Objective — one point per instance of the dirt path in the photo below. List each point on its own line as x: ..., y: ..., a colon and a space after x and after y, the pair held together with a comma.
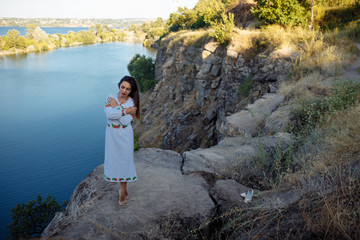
x: 352, y: 72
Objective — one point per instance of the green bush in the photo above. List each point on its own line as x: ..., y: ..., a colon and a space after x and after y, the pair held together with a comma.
x: 44, y: 46
x: 223, y: 29
x: 283, y: 12
x: 244, y: 89
x: 143, y: 70
x: 30, y: 220
x: 353, y: 30
x: 309, y: 113
x: 338, y: 17
x: 335, y: 3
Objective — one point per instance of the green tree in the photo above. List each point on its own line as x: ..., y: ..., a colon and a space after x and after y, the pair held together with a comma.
x: 205, y: 12
x: 209, y: 11
x: 30, y: 220
x: 143, y: 70
x: 184, y: 18
x: 134, y: 27
x: 13, y: 38
x: 23, y: 42
x: 2, y: 43
x: 30, y: 28
x: 158, y: 23
x: 283, y: 12
x: 86, y: 37
x: 99, y: 29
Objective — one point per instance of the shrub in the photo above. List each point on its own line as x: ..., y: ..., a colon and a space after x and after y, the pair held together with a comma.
x: 283, y: 12
x: 310, y: 112
x: 30, y: 220
x: 353, y: 30
x: 338, y: 17
x: 44, y: 46
x: 244, y: 89
x: 223, y: 28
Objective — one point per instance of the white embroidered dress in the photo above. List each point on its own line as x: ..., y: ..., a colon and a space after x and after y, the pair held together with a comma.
x: 119, y: 143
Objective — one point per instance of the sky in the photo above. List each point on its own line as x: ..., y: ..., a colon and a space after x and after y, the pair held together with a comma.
x: 91, y: 8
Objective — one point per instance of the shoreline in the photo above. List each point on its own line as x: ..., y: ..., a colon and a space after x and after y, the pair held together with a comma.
x: 130, y: 37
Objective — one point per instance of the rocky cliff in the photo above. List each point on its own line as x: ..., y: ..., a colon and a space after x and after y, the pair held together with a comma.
x: 200, y: 84
x: 180, y: 196
x: 198, y: 102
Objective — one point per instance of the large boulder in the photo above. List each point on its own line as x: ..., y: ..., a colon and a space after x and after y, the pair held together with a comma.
x: 163, y: 203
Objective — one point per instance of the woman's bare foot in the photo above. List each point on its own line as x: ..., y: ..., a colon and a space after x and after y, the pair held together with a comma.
x: 126, y: 194
x: 122, y: 198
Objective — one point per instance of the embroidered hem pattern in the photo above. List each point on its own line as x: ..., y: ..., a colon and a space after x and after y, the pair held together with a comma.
x: 116, y: 126
x: 128, y: 179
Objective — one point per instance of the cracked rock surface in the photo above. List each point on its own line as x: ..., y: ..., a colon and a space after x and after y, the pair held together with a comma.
x: 163, y: 203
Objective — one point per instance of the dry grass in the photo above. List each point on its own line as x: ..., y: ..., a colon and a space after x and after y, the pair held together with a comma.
x: 188, y: 38
x: 309, y: 50
x: 324, y: 53
x: 330, y: 204
x: 334, y: 213
x: 307, y: 87
x: 331, y: 146
x: 153, y: 136
x: 342, y: 135
x: 245, y: 42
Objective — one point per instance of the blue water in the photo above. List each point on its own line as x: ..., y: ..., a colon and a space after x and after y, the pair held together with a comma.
x: 48, y: 30
x: 52, y: 122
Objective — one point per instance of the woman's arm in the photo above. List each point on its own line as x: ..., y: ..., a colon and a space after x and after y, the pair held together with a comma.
x: 115, y: 112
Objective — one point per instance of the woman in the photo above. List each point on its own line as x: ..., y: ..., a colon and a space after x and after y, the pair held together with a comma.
x: 119, y: 138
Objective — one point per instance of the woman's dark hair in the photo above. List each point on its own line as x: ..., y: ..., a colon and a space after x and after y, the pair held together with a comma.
x: 134, y: 94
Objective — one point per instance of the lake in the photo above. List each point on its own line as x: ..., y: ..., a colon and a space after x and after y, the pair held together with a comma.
x: 52, y: 122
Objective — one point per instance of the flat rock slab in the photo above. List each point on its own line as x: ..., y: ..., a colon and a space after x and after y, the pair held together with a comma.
x: 224, y: 159
x: 247, y: 122
x: 218, y: 160
x: 163, y: 203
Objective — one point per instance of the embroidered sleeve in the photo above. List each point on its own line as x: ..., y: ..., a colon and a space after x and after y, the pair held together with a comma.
x: 126, y: 118
x: 110, y: 112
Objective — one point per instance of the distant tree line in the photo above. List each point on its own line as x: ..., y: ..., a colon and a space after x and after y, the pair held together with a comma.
x: 37, y: 40
x: 73, y: 22
x: 153, y: 31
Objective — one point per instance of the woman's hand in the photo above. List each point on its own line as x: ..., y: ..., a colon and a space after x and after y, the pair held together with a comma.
x: 131, y: 110
x: 112, y: 102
